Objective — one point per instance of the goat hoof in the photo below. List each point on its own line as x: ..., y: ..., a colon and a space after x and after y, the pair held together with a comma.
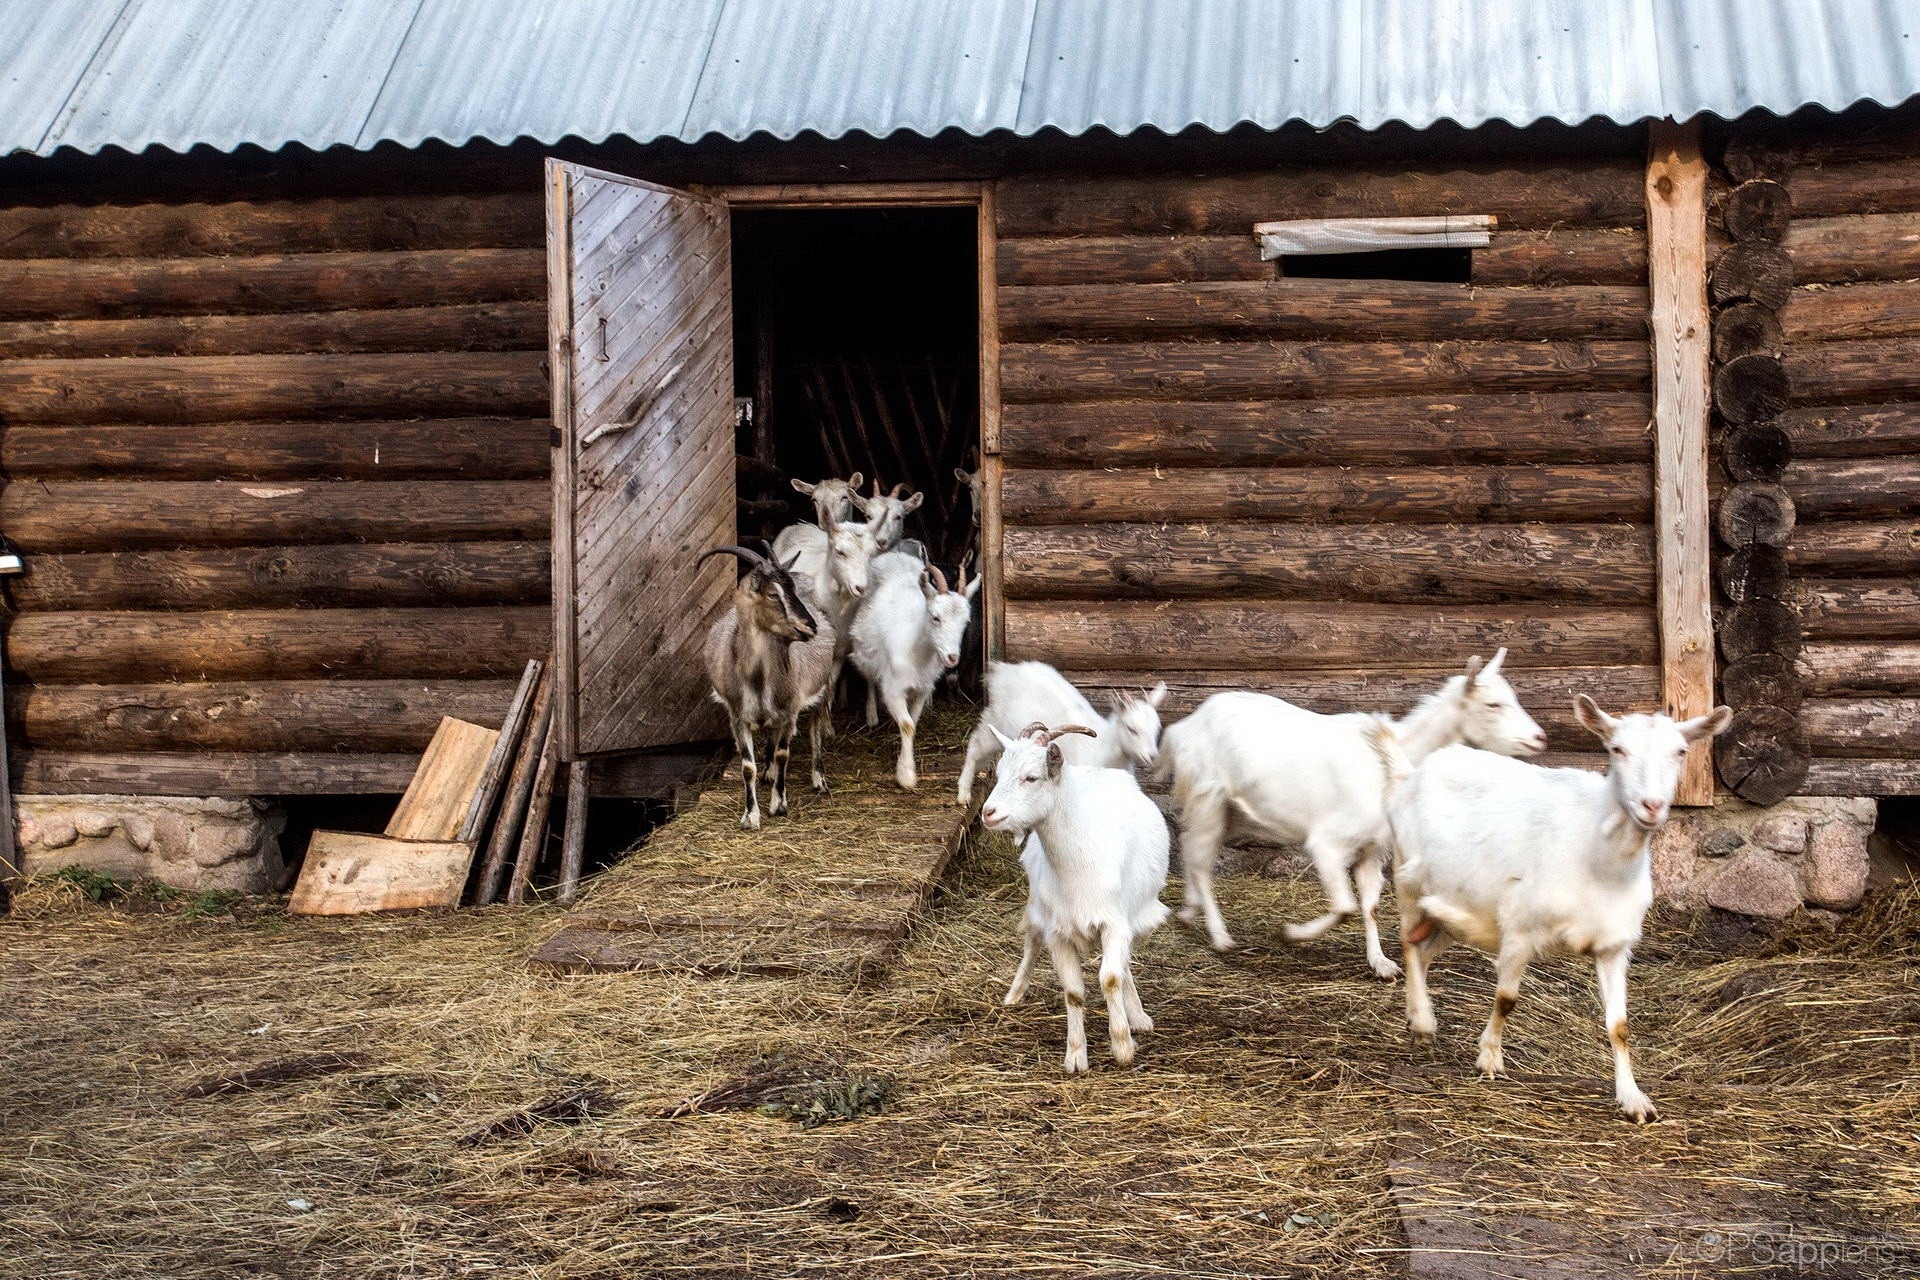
x: 1639, y: 1108
x: 1143, y: 1023
x: 749, y: 822
x: 1123, y: 1054
x: 1075, y: 1063
x: 1490, y: 1065
x: 777, y: 809
x: 1422, y: 1038
x: 820, y: 787
x: 1223, y: 946
x: 1386, y: 969
x: 908, y: 781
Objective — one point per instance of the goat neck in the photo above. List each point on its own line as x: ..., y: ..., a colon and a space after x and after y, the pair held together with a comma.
x: 1434, y: 723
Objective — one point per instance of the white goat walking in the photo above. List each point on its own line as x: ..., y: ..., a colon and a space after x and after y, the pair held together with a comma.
x: 1298, y: 776
x: 1519, y: 861
x: 1020, y: 693
x: 1095, y: 853
x: 907, y: 630
x: 833, y: 562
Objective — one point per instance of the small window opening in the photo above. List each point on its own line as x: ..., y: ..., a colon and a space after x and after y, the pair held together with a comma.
x: 1448, y: 266
x: 1437, y: 248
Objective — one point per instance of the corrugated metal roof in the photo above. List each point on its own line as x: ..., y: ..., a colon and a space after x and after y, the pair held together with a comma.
x: 176, y: 73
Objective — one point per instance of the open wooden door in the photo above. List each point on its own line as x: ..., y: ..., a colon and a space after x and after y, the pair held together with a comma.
x: 639, y: 284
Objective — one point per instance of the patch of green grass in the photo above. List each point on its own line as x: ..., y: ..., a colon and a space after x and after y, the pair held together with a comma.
x: 210, y: 902
x: 95, y: 884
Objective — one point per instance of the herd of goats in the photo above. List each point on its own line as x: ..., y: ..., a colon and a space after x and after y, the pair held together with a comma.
x: 1509, y: 857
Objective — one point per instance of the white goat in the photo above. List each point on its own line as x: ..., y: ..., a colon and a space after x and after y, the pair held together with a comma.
x: 834, y: 564
x: 1020, y: 693
x: 887, y: 512
x: 1298, y: 776
x: 768, y: 659
x: 906, y: 631
x: 1520, y: 861
x: 1095, y: 853
x: 832, y: 499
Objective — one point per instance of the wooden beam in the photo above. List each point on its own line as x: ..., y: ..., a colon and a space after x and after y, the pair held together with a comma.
x: 1677, y: 271
x: 993, y: 607
x: 844, y: 195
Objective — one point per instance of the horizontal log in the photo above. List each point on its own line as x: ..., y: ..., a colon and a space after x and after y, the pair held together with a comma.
x: 1884, y: 184
x: 224, y: 388
x: 1516, y: 427
x: 1305, y: 309
x: 1597, y: 564
x: 1596, y: 193
x: 1562, y: 256
x: 1870, y: 728
x: 1830, y: 670
x: 1854, y: 369
x: 359, y: 575
x: 1881, y: 309
x: 1546, y: 692
x: 482, y: 326
x: 1865, y: 609
x: 272, y: 226
x: 114, y: 515
x: 360, y: 716
x: 1343, y: 494
x: 73, y: 288
x: 1849, y: 777
x: 1852, y: 431
x: 1858, y: 547
x: 1830, y: 488
x: 1226, y: 635
x: 278, y: 644
x: 212, y: 773
x: 1855, y: 247
x: 1056, y: 371
x: 429, y: 448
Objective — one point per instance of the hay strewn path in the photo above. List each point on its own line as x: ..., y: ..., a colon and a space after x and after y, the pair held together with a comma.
x: 1277, y: 1123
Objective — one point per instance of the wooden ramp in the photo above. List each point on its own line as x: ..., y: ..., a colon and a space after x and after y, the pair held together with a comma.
x: 830, y: 889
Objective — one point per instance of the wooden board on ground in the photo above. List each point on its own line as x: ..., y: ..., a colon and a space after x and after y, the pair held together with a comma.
x: 436, y: 803
x: 347, y: 873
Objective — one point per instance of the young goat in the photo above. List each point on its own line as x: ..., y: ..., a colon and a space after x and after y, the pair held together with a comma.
x: 834, y: 563
x: 832, y: 499
x: 1019, y: 693
x: 1095, y: 853
x: 768, y: 659
x: 907, y: 630
x: 1298, y: 776
x: 887, y: 512
x: 1519, y: 861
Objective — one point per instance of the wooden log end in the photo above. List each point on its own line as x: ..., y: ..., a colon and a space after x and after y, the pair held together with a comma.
x: 1755, y: 513
x: 1759, y: 627
x: 1757, y: 452
x: 1763, y: 755
x: 1751, y: 388
x: 1752, y: 573
x: 1757, y: 209
x: 1746, y: 329
x: 1751, y: 271
x: 1764, y: 679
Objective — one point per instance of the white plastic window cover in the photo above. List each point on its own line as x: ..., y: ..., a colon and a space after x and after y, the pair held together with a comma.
x: 1362, y: 235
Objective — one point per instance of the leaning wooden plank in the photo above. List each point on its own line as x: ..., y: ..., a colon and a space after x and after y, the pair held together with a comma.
x: 507, y: 828
x: 348, y: 873
x: 487, y: 794
x: 573, y: 853
x: 445, y: 785
x: 533, y: 834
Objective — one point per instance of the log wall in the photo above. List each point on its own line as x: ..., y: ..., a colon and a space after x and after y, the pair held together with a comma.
x: 1334, y: 490
x: 280, y: 471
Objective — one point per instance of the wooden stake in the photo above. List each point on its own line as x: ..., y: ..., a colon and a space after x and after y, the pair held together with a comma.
x: 573, y: 853
x: 533, y: 835
x: 507, y: 828
x: 495, y: 776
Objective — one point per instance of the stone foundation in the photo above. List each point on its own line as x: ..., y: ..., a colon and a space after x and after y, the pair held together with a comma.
x: 187, y: 843
x: 1808, y: 850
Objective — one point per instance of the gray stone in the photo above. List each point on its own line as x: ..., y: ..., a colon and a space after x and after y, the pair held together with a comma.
x: 189, y: 843
x: 1721, y: 842
x: 1782, y: 833
x: 1836, y: 870
x: 1755, y: 884
x: 1675, y: 854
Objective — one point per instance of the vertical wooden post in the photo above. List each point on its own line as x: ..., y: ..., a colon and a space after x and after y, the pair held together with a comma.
x: 993, y: 603
x: 560, y: 384
x: 1677, y: 272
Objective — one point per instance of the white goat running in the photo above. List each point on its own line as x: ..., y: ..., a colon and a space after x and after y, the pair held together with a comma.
x: 906, y: 631
x: 1298, y: 776
x: 1020, y: 693
x: 1519, y: 861
x: 832, y: 499
x: 1095, y: 854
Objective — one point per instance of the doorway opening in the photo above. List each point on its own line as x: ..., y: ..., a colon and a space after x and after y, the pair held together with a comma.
x: 857, y: 349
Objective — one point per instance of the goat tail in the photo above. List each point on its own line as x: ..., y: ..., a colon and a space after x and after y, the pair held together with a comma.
x: 1394, y: 764
x: 1461, y: 924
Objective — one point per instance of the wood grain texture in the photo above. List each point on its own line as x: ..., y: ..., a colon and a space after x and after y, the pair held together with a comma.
x: 1676, y: 180
x: 1853, y: 431
x: 1855, y: 487
x: 347, y: 873
x: 1859, y: 609
x: 493, y: 775
x: 1857, y: 369
x: 1866, y: 548
x: 1841, y: 776
x: 213, y: 773
x: 1880, y: 309
x: 436, y: 802
x: 1882, y: 246
x: 1870, y: 728
x: 1834, y: 670
x: 494, y: 326
x: 993, y: 604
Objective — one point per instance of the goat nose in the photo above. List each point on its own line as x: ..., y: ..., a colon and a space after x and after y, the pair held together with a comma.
x: 1653, y: 810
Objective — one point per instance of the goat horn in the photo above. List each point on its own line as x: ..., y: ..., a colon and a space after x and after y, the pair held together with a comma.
x: 939, y: 578
x: 876, y: 486
x: 750, y: 556
x: 898, y: 489
x: 1037, y: 729
x: 1066, y: 729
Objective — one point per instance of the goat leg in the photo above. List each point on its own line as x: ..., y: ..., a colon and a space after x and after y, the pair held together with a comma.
x: 749, y: 775
x: 1370, y: 877
x: 1073, y: 985
x: 1116, y: 967
x: 782, y: 752
x: 1611, y: 971
x: 822, y: 729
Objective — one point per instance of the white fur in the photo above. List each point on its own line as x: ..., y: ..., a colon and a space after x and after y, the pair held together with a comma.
x: 907, y: 631
x: 1521, y: 861
x: 832, y: 499
x: 887, y: 513
x: 1096, y: 860
x: 1019, y: 693
x: 833, y: 563
x: 1301, y: 777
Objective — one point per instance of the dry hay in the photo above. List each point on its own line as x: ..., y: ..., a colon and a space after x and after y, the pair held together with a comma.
x: 1255, y: 1136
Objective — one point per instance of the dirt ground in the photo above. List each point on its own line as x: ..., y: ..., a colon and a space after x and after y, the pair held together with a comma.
x: 1277, y: 1121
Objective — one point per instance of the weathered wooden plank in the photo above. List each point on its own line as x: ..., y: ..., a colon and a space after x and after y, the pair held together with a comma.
x: 1854, y: 369
x: 1882, y: 309
x: 1836, y: 776
x: 1676, y: 186
x: 1064, y: 371
x: 1114, y: 635
x: 426, y: 449
x: 224, y: 388
x: 1850, y: 487
x: 1422, y: 494
x: 1513, y: 427
x: 1869, y: 728
x: 212, y: 773
x: 1852, y: 431
x: 991, y: 466
x: 1884, y: 184
x: 362, y: 575
x: 122, y: 515
x: 1596, y: 193
x: 487, y: 326
x: 1834, y: 670
x: 1860, y: 609
x: 444, y: 787
x: 423, y: 644
x: 1307, y: 309
x: 77, y: 288
x: 1882, y: 246
x: 1865, y: 547
x: 1598, y: 564
x: 363, y: 224
x: 350, y: 873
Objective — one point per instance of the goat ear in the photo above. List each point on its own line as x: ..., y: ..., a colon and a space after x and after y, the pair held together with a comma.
x: 1157, y: 695
x: 1707, y: 725
x: 1005, y: 741
x: 913, y: 503
x: 1475, y: 665
x: 1499, y: 657
x: 973, y: 589
x: 963, y: 475
x: 853, y: 481
x: 1592, y: 718
x: 804, y: 487
x: 1054, y: 760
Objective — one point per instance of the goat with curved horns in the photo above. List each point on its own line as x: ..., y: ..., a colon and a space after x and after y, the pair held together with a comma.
x: 768, y: 659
